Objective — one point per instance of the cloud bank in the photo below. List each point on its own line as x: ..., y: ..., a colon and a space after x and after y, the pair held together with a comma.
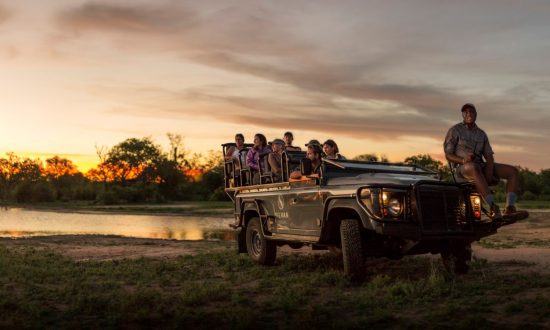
x: 373, y: 70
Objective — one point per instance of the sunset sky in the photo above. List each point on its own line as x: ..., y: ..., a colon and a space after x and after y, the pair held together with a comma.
x: 385, y: 77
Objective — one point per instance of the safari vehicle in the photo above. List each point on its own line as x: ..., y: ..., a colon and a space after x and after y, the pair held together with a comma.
x: 360, y: 209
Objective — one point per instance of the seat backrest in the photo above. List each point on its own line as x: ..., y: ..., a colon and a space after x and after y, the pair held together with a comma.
x: 294, y: 159
x: 242, y: 157
x: 263, y: 164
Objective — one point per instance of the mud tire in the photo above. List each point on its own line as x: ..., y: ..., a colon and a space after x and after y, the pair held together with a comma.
x: 262, y: 251
x: 352, y: 250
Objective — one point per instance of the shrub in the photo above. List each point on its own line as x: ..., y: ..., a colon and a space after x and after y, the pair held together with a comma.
x: 219, y: 195
x: 108, y: 197
x: 528, y: 196
x: 34, y: 192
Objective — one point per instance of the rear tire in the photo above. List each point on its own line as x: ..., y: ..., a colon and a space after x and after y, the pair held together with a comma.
x: 456, y: 259
x: 262, y: 251
x: 352, y: 250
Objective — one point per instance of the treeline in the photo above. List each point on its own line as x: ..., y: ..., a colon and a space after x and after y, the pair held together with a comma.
x: 139, y: 171
x: 133, y: 171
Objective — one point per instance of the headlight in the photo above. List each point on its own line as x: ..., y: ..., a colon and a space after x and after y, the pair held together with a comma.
x: 394, y: 207
x: 392, y: 203
x: 381, y: 203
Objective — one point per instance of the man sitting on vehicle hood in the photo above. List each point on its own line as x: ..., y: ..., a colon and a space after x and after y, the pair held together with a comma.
x: 467, y: 146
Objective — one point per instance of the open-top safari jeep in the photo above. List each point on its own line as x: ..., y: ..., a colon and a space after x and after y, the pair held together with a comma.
x: 363, y: 209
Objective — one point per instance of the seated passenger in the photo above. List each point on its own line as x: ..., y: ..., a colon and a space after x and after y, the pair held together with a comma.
x: 331, y: 150
x: 253, y: 157
x: 289, y: 137
x: 314, y: 152
x: 238, y: 151
x: 313, y: 142
x: 317, y: 143
x: 274, y: 159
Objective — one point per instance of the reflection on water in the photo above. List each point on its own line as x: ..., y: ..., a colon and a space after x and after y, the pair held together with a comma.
x: 17, y: 223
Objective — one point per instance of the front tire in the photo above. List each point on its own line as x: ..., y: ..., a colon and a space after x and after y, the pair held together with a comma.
x: 352, y: 250
x: 262, y: 251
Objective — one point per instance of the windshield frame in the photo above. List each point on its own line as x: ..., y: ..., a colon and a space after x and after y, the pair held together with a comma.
x: 376, y: 167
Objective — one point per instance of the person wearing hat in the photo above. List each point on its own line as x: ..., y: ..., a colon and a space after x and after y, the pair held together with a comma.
x: 467, y: 147
x: 311, y: 142
x: 275, y: 157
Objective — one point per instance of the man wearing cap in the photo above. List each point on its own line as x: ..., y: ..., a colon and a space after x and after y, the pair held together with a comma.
x: 468, y: 148
x: 274, y: 158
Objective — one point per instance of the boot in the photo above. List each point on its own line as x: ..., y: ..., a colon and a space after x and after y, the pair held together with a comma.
x: 494, y: 212
x: 512, y: 213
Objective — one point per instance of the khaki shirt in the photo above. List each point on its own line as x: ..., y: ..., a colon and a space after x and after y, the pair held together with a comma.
x: 462, y: 141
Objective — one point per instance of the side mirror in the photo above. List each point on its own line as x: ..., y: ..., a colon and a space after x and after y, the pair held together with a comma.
x: 305, y: 166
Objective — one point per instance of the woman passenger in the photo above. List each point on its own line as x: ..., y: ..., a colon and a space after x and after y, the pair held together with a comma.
x: 253, y: 157
x: 331, y: 150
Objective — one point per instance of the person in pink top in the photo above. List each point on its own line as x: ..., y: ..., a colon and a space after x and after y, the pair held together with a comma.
x: 253, y: 157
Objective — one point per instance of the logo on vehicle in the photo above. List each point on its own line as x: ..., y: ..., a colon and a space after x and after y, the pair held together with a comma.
x: 280, y: 202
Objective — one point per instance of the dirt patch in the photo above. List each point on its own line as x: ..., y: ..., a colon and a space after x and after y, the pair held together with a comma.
x: 538, y: 256
x: 97, y: 247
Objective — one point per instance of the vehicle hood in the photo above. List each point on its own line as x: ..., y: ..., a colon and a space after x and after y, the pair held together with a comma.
x: 379, y: 178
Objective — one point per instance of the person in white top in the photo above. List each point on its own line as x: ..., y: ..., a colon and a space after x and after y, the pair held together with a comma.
x: 237, y: 151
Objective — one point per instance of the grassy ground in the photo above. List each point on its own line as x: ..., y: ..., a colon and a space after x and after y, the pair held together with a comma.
x: 180, y: 208
x: 219, y: 288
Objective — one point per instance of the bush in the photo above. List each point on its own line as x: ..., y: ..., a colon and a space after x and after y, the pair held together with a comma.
x: 34, y: 192
x: 528, y: 196
x: 88, y: 192
x: 219, y: 195
x: 137, y: 193
x: 108, y: 198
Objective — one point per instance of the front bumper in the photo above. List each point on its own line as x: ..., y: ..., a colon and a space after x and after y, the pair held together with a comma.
x: 433, y: 210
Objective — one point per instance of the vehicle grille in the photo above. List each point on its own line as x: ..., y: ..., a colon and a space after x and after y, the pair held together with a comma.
x: 442, y: 208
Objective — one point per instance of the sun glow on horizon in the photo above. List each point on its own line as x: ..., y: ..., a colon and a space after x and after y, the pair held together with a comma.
x: 74, y: 75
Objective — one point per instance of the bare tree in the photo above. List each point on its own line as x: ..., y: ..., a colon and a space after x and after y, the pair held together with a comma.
x: 177, y: 149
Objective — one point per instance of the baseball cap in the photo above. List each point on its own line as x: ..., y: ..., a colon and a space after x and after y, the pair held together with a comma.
x: 468, y: 105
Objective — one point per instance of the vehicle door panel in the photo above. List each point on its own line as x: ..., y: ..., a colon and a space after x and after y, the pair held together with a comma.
x: 305, y: 210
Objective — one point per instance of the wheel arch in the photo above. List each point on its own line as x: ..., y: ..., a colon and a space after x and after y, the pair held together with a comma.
x: 330, y: 232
